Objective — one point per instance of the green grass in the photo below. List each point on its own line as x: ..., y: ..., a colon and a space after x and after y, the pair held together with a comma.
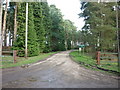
x: 8, y: 61
x: 82, y: 58
x: 88, y: 60
x: 111, y: 65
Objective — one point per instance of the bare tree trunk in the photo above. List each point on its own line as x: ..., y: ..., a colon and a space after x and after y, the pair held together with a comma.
x: 0, y: 29
x: 15, y: 23
x: 9, y: 38
x: 4, y: 20
x: 15, y: 29
x: 72, y: 42
x: 66, y: 38
x: 26, y: 33
x: 66, y: 45
x: 0, y: 42
x: 5, y: 38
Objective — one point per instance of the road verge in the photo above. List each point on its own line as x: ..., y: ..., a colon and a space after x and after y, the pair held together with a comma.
x: 91, y: 65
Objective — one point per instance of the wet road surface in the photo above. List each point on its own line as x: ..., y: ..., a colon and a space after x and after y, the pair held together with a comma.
x: 58, y: 71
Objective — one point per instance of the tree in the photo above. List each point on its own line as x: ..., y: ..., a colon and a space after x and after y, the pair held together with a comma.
x: 57, y: 30
x: 0, y: 28
x: 70, y: 34
x: 47, y: 25
x: 19, y: 44
x: 33, y: 47
x: 46, y: 28
x: 15, y: 21
x: 4, y: 20
x: 38, y: 24
x: 99, y: 24
x: 10, y: 23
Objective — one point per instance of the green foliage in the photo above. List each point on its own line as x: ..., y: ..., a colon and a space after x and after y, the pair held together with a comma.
x: 46, y: 29
x: 10, y: 19
x: 57, y: 35
x: 47, y: 25
x: 38, y: 24
x: 100, y: 25
x: 33, y: 48
x: 70, y: 34
x: 19, y: 44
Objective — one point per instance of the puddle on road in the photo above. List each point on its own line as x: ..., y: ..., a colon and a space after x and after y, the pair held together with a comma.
x: 32, y: 79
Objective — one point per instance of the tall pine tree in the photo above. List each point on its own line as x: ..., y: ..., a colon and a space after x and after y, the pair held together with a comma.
x: 38, y: 25
x: 33, y: 47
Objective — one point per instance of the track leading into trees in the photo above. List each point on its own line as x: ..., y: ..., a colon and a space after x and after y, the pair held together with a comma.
x: 58, y: 71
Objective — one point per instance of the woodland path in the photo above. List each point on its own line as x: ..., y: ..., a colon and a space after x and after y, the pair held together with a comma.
x: 58, y: 71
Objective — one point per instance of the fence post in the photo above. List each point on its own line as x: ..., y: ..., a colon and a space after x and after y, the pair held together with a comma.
x: 98, y: 57
x: 14, y: 55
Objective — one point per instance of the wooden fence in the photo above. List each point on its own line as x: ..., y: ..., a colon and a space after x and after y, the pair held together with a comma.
x: 105, y: 55
x: 10, y: 53
x: 7, y: 51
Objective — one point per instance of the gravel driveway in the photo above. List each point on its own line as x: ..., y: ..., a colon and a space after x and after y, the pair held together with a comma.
x: 58, y: 71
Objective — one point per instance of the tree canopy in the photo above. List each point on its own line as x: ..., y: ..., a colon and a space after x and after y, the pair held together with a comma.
x: 100, y: 25
x: 47, y: 29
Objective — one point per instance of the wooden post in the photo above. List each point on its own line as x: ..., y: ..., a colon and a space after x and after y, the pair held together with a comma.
x: 26, y: 30
x: 98, y: 57
x: 15, y: 55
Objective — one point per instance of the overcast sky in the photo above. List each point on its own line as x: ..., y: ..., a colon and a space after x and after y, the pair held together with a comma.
x: 70, y: 9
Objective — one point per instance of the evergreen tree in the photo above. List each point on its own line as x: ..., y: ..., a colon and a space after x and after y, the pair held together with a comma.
x: 19, y: 44
x: 38, y: 25
x: 33, y: 48
x: 47, y: 25
x: 32, y: 38
x: 10, y: 22
x: 57, y: 30
x: 70, y: 34
x: 99, y: 25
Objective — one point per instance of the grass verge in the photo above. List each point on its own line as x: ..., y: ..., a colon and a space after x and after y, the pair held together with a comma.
x: 88, y: 62
x: 8, y: 61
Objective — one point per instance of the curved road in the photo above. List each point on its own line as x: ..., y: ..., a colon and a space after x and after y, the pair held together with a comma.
x: 58, y: 71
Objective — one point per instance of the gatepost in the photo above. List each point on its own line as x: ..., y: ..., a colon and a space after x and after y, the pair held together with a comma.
x: 15, y: 55
x: 98, y: 57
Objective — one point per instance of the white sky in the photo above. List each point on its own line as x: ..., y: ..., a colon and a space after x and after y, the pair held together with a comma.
x: 70, y: 9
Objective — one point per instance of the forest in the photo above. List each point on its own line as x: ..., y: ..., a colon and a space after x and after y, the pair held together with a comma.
x: 48, y: 31
x: 101, y: 26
